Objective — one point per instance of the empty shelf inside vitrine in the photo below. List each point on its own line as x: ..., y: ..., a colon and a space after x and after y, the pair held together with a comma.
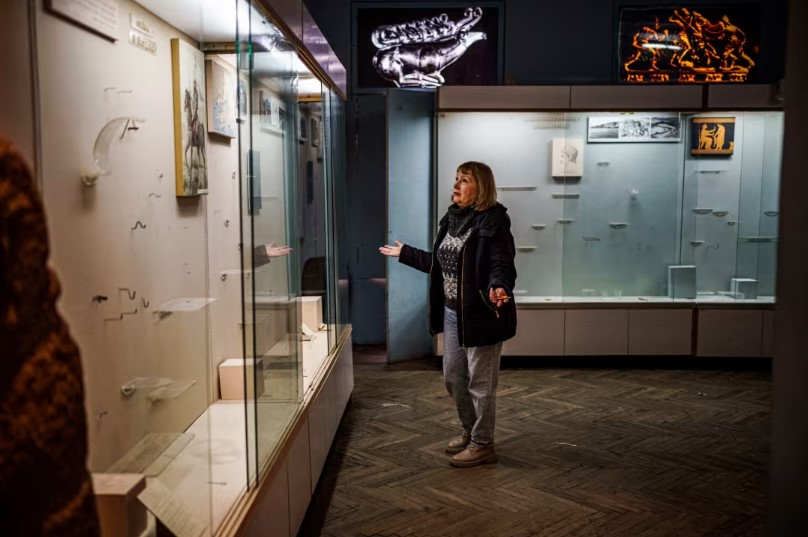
x: 758, y: 239
x: 538, y: 226
x: 565, y: 220
x: 566, y: 196
x: 151, y: 454
x: 702, y: 210
x: 183, y: 305
x: 525, y: 248
x: 618, y: 225
x: 516, y: 187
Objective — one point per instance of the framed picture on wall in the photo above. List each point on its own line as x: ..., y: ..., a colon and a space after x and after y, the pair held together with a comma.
x: 302, y: 129
x: 272, y: 112
x: 712, y: 136
x: 315, y: 132
x: 635, y: 128
x: 222, y: 90
x: 568, y: 157
x: 243, y: 88
x: 427, y: 45
x: 190, y: 133
x: 264, y: 109
x: 694, y: 44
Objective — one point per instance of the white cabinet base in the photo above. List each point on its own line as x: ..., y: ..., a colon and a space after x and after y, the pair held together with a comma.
x: 666, y: 332
x: 767, y: 349
x: 596, y: 332
x: 538, y: 333
x: 731, y: 333
x: 642, y: 331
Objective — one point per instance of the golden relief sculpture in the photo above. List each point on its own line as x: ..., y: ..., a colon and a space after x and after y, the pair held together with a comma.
x: 688, y: 47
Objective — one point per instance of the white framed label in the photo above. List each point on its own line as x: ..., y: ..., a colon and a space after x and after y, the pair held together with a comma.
x: 171, y: 511
x: 141, y: 25
x: 143, y: 42
x: 100, y: 16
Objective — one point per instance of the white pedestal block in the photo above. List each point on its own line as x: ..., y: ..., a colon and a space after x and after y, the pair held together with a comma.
x: 311, y: 311
x: 119, y: 511
x: 231, y: 377
x: 682, y: 281
x: 743, y: 288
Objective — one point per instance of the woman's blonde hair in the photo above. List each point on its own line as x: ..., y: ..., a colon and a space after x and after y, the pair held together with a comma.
x: 486, y: 187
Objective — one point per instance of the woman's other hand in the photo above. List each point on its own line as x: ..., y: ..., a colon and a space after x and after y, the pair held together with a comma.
x: 277, y: 251
x: 498, y: 296
x: 391, y: 251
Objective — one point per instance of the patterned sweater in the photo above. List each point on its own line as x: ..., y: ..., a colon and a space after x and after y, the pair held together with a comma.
x: 45, y: 488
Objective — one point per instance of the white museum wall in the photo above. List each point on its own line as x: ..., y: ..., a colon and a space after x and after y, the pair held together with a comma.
x: 96, y: 251
x: 16, y: 99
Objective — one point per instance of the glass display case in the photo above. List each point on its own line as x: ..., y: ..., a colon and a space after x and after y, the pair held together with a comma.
x: 179, y: 158
x: 629, y: 207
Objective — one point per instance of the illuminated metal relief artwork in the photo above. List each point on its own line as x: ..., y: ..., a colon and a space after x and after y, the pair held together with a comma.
x: 413, y: 54
x: 683, y: 46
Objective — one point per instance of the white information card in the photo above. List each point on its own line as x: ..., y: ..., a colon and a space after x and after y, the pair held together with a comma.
x: 100, y: 16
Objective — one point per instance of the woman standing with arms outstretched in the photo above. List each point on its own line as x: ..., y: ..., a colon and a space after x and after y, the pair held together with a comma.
x: 472, y: 276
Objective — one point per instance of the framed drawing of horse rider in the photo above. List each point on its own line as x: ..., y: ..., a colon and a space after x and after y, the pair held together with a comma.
x: 190, y: 132
x: 427, y: 45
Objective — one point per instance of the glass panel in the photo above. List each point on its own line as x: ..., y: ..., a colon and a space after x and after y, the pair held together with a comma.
x: 664, y: 208
x: 330, y: 316
x: 711, y: 209
x: 313, y: 211
x: 757, y: 224
x: 249, y: 167
x: 517, y: 147
x: 336, y: 127
x: 269, y: 194
x: 770, y: 205
x: 621, y: 212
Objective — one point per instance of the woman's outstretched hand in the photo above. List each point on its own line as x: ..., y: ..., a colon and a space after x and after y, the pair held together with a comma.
x: 392, y: 251
x: 277, y: 251
x: 498, y: 296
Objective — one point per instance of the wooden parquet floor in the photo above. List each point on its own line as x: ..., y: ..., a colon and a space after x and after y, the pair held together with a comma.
x: 590, y: 450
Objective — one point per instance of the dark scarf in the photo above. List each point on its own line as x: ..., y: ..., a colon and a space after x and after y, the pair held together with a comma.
x: 460, y: 218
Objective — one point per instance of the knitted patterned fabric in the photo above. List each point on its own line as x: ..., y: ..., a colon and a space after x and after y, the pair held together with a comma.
x: 45, y: 488
x: 460, y: 221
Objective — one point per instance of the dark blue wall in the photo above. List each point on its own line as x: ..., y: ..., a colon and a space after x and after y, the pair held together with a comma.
x: 565, y: 42
x: 559, y: 42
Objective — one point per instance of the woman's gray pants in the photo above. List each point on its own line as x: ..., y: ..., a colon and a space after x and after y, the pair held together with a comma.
x: 471, y: 375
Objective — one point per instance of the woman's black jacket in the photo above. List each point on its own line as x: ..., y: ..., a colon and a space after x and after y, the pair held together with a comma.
x: 486, y: 261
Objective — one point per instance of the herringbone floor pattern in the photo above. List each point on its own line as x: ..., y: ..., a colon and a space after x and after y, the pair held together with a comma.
x: 590, y: 451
